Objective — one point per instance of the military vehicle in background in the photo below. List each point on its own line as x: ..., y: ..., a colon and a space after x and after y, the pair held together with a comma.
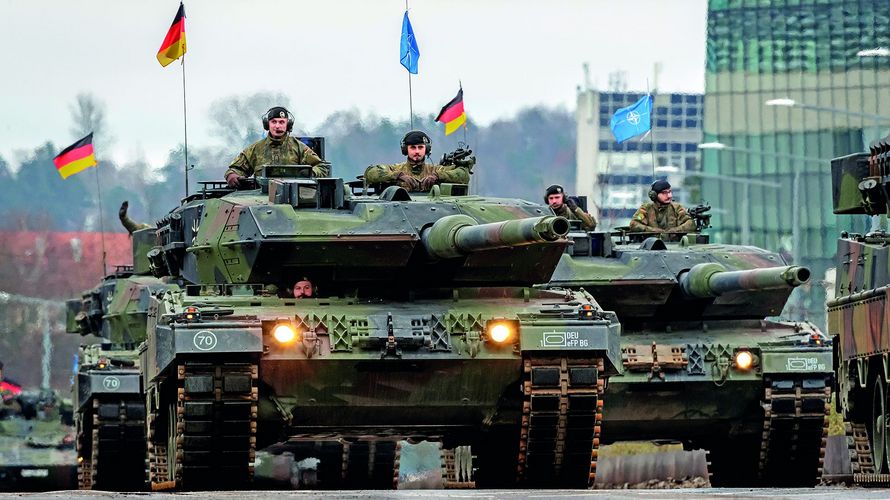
x: 423, y: 329
x: 857, y: 315
x: 36, y: 443
x: 108, y: 399
x: 703, y: 364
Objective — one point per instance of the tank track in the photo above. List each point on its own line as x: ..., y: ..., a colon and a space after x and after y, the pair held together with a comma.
x: 562, y: 414
x: 111, y: 445
x: 862, y: 463
x: 795, y: 431
x: 211, y: 429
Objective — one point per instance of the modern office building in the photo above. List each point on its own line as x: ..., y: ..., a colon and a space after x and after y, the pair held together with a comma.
x: 616, y: 177
x: 825, y: 101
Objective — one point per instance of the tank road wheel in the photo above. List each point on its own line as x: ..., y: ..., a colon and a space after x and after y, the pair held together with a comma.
x: 879, y: 424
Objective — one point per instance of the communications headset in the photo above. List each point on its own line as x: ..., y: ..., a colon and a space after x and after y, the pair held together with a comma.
x: 290, y: 118
x: 426, y: 140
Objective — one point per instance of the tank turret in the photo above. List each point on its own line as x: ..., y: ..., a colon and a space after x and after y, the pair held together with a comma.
x: 712, y: 279
x: 458, y: 235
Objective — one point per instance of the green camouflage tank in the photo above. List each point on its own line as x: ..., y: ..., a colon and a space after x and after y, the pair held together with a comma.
x: 703, y: 362
x: 108, y: 397
x: 36, y: 443
x: 424, y: 355
x: 858, y: 313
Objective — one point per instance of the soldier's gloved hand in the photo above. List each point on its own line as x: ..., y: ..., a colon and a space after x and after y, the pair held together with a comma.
x: 428, y: 182
x: 571, y: 203
x: 413, y: 184
x: 234, y: 180
x: 123, y: 210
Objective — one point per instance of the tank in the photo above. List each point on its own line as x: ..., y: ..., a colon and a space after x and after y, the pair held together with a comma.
x: 424, y: 357
x: 36, y: 443
x: 857, y: 314
x: 705, y: 361
x: 108, y: 399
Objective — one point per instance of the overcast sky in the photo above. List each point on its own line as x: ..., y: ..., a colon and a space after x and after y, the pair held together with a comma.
x: 326, y: 56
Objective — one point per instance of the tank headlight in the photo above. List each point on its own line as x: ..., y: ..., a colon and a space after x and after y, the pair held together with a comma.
x: 284, y: 333
x: 744, y: 360
x: 502, y: 331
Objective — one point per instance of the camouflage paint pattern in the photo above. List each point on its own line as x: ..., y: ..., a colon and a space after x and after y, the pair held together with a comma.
x: 685, y: 310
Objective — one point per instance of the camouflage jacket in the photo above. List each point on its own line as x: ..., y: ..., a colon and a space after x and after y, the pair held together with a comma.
x: 588, y: 222
x: 655, y: 217
x: 387, y: 174
x: 268, y: 151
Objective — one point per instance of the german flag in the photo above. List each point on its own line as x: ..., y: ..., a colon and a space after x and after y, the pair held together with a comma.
x: 452, y: 114
x: 173, y: 46
x: 76, y: 157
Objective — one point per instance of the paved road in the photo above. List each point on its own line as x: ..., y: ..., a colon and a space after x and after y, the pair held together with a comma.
x: 799, y: 493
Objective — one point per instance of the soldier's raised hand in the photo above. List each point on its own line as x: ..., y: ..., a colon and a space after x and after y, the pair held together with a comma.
x: 571, y: 203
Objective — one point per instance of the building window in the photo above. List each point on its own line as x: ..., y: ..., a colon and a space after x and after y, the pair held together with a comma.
x: 661, y: 123
x: 691, y: 123
x: 676, y: 123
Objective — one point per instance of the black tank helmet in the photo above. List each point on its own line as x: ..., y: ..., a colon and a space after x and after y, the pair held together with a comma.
x: 415, y: 137
x: 554, y: 189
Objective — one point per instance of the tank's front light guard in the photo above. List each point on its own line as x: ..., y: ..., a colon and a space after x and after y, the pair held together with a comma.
x: 502, y: 331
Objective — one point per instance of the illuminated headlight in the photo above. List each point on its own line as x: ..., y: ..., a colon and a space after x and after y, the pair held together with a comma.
x: 501, y: 332
x: 284, y: 333
x: 191, y: 313
x: 744, y: 360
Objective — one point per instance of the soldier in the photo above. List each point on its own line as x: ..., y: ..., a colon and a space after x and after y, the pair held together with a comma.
x: 129, y: 224
x: 303, y: 289
x: 415, y: 174
x: 565, y: 206
x: 277, y: 148
x: 661, y: 214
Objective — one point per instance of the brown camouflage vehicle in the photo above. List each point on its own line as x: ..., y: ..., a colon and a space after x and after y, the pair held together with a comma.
x: 423, y: 329
x: 704, y: 361
x: 857, y: 315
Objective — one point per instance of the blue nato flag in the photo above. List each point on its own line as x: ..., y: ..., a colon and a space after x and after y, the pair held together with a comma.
x: 633, y: 120
x: 408, y: 51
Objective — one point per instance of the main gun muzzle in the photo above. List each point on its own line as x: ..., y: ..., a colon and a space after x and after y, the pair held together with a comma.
x: 458, y: 235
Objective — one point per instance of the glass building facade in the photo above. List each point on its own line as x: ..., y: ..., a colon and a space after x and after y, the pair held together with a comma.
x: 618, y: 176
x: 803, y: 51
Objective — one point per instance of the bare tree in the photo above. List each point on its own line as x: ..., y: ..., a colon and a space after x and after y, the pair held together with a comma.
x: 237, y: 119
x: 88, y: 115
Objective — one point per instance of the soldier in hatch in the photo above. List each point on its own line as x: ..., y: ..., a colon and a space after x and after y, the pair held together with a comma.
x: 277, y: 148
x: 661, y: 214
x: 415, y: 174
x: 565, y: 206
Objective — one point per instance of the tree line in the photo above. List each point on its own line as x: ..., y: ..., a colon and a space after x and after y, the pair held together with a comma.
x: 516, y: 157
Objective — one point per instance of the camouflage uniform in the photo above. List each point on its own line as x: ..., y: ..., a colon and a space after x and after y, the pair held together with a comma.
x: 268, y: 151
x: 387, y: 174
x: 655, y: 217
x: 588, y: 222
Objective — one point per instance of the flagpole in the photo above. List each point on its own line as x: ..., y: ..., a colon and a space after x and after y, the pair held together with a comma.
x: 185, y: 131
x: 101, y: 225
x: 651, y: 129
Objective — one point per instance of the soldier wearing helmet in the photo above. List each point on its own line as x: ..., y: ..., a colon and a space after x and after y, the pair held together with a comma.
x: 564, y: 205
x: 277, y: 148
x: 661, y: 214
x: 415, y: 174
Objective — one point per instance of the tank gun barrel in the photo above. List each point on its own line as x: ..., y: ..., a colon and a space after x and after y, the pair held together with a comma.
x: 711, y: 279
x: 457, y: 235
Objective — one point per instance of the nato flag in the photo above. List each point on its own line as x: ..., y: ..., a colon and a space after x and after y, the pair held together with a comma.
x: 408, y: 51
x: 633, y: 120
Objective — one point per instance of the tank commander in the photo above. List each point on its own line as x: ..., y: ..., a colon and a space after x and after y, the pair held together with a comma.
x: 415, y: 174
x: 277, y: 148
x: 565, y: 206
x: 303, y: 289
x: 129, y: 224
x: 661, y: 214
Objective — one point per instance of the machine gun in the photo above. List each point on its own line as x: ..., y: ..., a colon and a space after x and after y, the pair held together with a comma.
x: 700, y: 216
x: 461, y: 157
